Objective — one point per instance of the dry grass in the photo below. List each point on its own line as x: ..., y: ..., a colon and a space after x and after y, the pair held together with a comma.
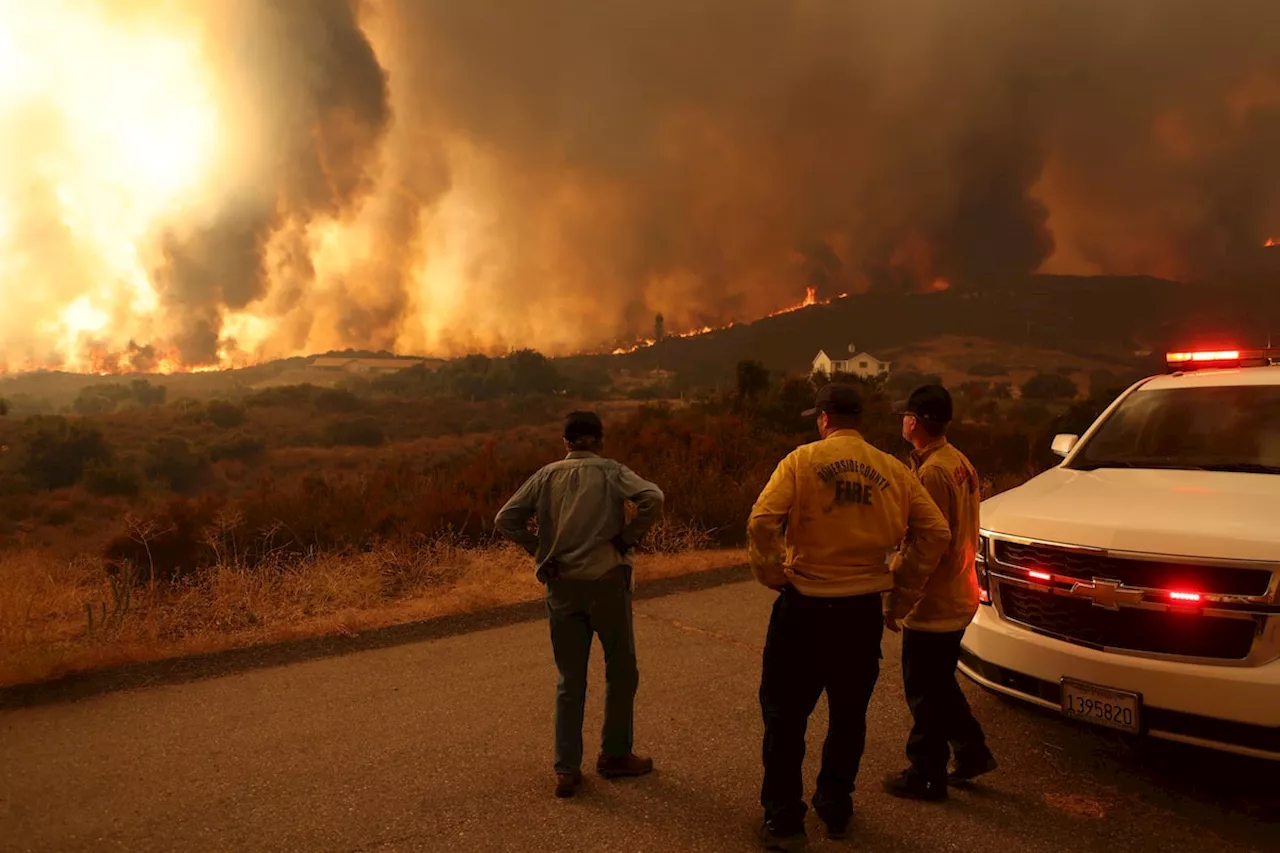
x: 46, y: 630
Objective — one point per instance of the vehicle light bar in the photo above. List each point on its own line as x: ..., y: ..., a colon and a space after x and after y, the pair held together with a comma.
x: 1203, y: 359
x: 1192, y: 597
x: 1211, y: 355
x: 1040, y: 576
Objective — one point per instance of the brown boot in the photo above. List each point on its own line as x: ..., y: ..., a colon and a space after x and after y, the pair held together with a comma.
x: 567, y: 784
x: 626, y: 765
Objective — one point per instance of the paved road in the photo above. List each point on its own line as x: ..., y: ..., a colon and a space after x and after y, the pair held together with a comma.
x: 444, y: 746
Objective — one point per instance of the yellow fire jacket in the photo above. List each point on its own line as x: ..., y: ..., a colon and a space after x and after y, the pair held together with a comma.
x: 950, y: 597
x: 831, y: 515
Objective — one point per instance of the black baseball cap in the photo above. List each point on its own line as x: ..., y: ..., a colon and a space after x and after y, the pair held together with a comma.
x: 582, y: 425
x: 836, y: 399
x: 928, y: 403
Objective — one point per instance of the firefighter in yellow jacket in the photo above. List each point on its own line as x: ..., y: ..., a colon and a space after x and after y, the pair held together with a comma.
x: 935, y: 621
x: 821, y: 533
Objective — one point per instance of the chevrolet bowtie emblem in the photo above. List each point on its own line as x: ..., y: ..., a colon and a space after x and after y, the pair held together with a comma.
x: 1108, y: 594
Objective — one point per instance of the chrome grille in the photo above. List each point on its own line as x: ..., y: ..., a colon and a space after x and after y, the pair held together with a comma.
x: 1156, y: 631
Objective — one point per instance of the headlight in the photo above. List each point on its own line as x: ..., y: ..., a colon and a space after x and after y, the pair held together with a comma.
x: 980, y: 565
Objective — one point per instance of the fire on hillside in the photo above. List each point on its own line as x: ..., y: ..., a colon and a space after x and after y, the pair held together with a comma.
x: 810, y: 299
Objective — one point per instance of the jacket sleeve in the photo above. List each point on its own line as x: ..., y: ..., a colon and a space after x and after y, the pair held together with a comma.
x: 648, y: 499
x: 765, y: 527
x: 512, y: 520
x: 928, y: 536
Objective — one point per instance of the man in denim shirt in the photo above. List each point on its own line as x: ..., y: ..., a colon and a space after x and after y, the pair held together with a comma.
x: 583, y: 551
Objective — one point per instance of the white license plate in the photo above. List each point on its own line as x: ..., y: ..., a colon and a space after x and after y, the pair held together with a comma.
x: 1102, y: 706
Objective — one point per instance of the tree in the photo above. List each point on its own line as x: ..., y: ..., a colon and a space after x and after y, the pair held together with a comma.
x: 361, y: 432
x: 111, y: 396
x: 57, y: 451
x: 146, y: 395
x: 1047, y: 387
x: 120, y: 479
x: 224, y: 414
x: 99, y: 400
x: 4, y: 407
x: 988, y: 368
x: 786, y: 402
x: 531, y: 373
x: 173, y: 461
x: 753, y: 380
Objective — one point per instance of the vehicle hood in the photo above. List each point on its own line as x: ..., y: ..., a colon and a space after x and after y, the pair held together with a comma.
x: 1181, y: 513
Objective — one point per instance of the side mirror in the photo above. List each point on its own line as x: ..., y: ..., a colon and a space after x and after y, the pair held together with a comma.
x: 1063, y: 444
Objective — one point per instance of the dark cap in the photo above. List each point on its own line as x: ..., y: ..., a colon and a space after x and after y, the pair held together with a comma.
x: 836, y: 399
x: 578, y: 425
x: 928, y: 403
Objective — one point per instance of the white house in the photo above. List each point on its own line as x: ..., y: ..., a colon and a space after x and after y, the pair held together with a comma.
x: 861, y: 364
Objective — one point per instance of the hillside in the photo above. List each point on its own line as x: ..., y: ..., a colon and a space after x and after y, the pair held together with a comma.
x: 1101, y: 317
x: 1095, y: 320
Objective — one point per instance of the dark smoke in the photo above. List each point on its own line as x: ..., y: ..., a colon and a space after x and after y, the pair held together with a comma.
x: 711, y: 159
x: 307, y: 81
x: 729, y: 138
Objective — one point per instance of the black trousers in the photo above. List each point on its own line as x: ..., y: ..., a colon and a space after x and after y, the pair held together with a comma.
x: 816, y: 644
x: 941, y: 713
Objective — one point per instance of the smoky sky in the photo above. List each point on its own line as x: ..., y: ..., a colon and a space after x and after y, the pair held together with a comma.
x: 711, y: 159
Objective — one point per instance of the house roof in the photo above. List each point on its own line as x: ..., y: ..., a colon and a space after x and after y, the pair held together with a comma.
x: 843, y: 354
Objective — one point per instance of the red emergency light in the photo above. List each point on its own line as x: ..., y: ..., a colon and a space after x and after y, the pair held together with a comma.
x: 1209, y: 358
x: 1040, y: 576
x: 1189, y: 597
x: 1206, y: 355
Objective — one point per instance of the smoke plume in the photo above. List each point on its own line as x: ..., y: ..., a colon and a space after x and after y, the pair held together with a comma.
x: 439, y: 177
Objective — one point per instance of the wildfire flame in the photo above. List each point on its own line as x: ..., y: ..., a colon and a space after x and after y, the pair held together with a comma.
x: 810, y: 299
x: 111, y: 126
x: 1271, y: 243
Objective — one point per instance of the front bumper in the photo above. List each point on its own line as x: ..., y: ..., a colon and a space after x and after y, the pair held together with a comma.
x: 1231, y: 708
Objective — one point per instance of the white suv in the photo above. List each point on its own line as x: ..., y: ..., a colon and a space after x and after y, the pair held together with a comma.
x: 1137, y: 584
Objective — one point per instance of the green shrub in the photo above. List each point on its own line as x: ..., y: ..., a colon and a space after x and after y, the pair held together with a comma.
x: 56, y: 451
x: 1046, y: 387
x: 284, y: 395
x: 363, y: 432
x: 172, y: 460
x: 224, y: 414
x: 239, y: 447
x: 337, y: 400
x: 121, y: 479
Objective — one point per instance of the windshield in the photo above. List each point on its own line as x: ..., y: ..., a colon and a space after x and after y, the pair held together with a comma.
x: 1210, y: 428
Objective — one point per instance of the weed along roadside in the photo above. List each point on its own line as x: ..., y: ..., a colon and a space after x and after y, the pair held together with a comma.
x: 127, y: 618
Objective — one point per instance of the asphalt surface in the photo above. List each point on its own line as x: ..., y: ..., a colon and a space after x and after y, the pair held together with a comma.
x: 445, y: 745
